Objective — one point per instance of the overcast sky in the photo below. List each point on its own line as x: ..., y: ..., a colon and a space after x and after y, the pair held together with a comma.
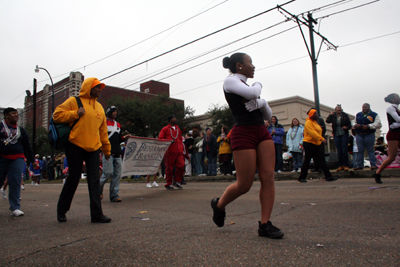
x: 65, y: 36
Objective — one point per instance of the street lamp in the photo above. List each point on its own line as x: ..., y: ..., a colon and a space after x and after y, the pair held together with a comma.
x: 52, y: 97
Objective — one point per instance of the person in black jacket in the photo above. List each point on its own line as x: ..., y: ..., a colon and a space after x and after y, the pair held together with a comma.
x: 341, y: 125
x: 14, y: 147
x: 210, y: 146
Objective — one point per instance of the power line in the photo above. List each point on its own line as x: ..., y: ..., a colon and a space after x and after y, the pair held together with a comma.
x: 15, y: 98
x: 345, y: 10
x: 146, y: 39
x: 370, y: 39
x: 282, y: 63
x: 215, y: 49
x: 176, y: 28
x: 138, y: 80
x: 328, y: 6
x: 291, y: 60
x: 196, y: 40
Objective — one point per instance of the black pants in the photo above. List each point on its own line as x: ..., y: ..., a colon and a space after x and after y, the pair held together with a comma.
x: 50, y: 174
x: 226, y: 164
x: 76, y: 156
x: 316, y: 152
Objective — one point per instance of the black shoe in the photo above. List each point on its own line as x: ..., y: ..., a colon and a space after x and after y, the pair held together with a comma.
x: 102, y: 219
x: 219, y: 215
x: 178, y: 185
x: 268, y: 230
x: 331, y: 179
x: 377, y: 178
x: 169, y: 187
x: 302, y: 180
x: 183, y: 183
x: 61, y: 216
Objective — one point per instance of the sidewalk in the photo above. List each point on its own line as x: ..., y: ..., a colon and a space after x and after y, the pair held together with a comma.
x: 286, y: 176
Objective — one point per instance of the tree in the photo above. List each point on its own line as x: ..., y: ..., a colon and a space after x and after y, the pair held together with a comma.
x: 43, y: 147
x: 147, y: 117
x: 220, y: 116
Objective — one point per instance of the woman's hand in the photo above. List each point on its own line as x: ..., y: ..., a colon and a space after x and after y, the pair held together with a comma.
x: 81, y: 111
x: 255, y: 104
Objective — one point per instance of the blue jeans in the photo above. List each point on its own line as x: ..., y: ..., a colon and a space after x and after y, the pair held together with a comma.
x: 341, y: 143
x: 193, y: 162
x: 199, y: 164
x: 278, y: 157
x: 212, y: 163
x: 355, y: 158
x: 366, y: 142
x: 297, y: 159
x: 12, y: 169
x: 112, y: 168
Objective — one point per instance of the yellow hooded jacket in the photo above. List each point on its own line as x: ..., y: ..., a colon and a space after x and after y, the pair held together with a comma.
x: 312, y: 132
x: 225, y: 146
x: 90, y: 132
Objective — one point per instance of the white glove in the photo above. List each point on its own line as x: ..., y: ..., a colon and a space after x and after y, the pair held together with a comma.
x: 255, y: 104
x: 395, y: 125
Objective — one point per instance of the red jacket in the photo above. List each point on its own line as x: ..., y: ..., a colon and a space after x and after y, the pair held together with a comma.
x: 170, y: 134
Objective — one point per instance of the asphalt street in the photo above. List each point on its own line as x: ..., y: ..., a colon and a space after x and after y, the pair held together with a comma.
x: 350, y: 222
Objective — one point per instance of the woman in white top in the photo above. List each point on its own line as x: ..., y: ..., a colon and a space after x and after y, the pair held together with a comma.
x: 251, y: 143
x: 294, y: 141
x: 393, y: 136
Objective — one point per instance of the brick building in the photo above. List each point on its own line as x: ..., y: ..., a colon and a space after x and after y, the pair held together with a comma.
x: 70, y: 86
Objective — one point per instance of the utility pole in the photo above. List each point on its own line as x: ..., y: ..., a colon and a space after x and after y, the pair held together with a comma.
x: 34, y: 118
x: 309, y: 22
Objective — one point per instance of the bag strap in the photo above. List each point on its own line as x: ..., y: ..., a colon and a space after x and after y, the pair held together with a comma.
x: 80, y: 105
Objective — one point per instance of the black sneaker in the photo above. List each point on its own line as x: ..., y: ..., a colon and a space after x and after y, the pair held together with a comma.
x: 178, y: 185
x: 268, y: 230
x: 302, y: 180
x: 331, y: 179
x: 219, y: 215
x: 102, y: 219
x: 183, y: 183
x: 377, y: 178
x: 169, y: 187
x: 61, y: 216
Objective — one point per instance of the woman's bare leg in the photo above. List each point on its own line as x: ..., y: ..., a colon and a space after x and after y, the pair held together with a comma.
x: 265, y: 166
x: 245, y: 162
x: 393, y: 146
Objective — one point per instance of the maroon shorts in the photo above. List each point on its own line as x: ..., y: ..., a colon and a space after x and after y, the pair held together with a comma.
x: 248, y: 137
x: 393, y: 136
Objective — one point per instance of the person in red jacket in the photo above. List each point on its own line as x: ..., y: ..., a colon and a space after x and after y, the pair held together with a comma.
x: 174, y: 155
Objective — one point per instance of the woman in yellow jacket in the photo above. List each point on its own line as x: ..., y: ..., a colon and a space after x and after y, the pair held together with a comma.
x: 225, y: 152
x: 313, y: 144
x: 87, y: 137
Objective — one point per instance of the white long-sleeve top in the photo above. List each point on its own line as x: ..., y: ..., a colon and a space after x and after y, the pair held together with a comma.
x: 392, y: 111
x: 237, y: 84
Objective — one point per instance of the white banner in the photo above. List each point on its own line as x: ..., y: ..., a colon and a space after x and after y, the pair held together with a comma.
x: 143, y: 156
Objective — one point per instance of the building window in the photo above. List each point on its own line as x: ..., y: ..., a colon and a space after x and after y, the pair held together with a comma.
x: 147, y: 90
